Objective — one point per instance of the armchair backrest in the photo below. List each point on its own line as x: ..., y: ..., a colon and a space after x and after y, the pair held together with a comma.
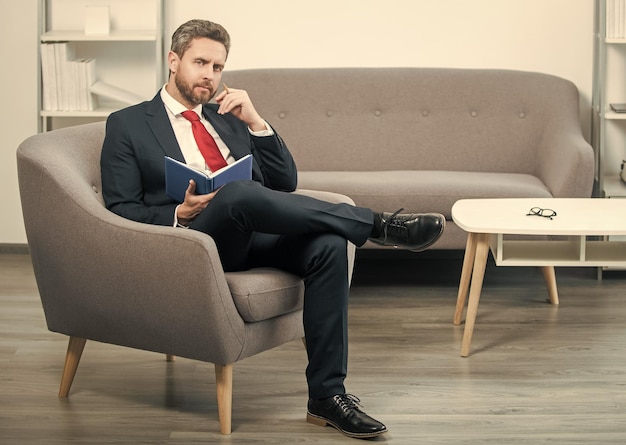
x: 59, y: 175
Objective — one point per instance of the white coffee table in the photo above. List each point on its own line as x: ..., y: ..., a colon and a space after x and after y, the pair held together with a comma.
x: 488, y: 221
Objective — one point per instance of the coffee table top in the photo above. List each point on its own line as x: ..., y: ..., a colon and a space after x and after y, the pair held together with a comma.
x: 574, y: 216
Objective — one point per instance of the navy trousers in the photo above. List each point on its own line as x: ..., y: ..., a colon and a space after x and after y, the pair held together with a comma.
x: 254, y: 226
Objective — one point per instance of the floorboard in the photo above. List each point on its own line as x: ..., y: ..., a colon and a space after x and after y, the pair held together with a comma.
x: 537, y: 374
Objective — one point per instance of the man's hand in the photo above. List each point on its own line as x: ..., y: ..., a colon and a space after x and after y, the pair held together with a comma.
x: 238, y: 103
x: 193, y: 204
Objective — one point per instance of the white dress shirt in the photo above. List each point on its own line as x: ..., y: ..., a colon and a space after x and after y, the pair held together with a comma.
x: 187, y: 142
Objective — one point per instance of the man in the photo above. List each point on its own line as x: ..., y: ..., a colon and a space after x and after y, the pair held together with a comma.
x: 254, y: 223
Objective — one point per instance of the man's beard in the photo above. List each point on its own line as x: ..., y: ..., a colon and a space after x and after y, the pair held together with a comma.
x: 187, y: 91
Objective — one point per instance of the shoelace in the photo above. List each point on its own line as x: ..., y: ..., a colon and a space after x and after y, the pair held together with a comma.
x: 387, y: 222
x: 348, y: 402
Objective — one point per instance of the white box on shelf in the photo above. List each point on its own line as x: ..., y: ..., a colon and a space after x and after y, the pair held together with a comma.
x: 97, y: 20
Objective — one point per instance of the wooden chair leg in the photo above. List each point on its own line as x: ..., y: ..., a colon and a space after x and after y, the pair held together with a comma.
x: 224, y: 383
x: 75, y: 349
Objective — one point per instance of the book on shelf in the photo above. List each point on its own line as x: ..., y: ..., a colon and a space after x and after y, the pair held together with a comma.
x: 66, y: 79
x: 48, y: 78
x: 178, y: 175
x: 61, y: 67
x: 89, y: 72
x: 615, y: 11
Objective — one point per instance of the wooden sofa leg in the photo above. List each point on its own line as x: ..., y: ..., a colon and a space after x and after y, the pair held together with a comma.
x: 75, y: 349
x: 224, y: 383
x: 170, y: 358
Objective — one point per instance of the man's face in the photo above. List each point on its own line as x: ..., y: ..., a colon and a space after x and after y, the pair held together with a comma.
x: 196, y: 76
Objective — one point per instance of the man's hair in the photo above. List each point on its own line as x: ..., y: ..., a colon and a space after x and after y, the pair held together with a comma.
x: 196, y: 29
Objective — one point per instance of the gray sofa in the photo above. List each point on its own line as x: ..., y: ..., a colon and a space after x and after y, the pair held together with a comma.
x: 422, y: 138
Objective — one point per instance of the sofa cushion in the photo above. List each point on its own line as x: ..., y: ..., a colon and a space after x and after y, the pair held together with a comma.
x: 422, y: 190
x: 264, y: 293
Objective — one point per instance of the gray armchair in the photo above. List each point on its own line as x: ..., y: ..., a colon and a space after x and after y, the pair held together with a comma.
x: 104, y: 278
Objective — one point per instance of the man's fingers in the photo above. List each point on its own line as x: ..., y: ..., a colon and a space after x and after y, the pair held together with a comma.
x: 191, y: 189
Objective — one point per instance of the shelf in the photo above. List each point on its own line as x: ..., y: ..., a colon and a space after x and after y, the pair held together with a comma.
x: 576, y: 252
x: 114, y: 36
x: 606, y: 253
x: 609, y: 87
x: 102, y: 112
x: 614, y: 188
x: 534, y: 253
x: 129, y: 57
x: 614, y: 116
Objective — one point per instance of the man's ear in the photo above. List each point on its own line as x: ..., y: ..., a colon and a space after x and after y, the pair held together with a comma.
x: 173, y: 60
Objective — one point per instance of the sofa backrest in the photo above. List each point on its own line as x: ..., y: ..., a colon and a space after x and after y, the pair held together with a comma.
x: 410, y: 118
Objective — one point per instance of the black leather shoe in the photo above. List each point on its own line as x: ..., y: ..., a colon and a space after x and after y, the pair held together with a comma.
x: 343, y: 413
x: 412, y: 231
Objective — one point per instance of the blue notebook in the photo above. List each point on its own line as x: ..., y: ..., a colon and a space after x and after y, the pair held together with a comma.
x: 178, y: 174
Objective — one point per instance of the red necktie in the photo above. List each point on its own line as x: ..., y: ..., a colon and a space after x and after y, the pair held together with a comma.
x: 205, y: 141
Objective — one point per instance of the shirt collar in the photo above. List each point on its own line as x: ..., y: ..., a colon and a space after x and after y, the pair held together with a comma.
x: 175, y: 107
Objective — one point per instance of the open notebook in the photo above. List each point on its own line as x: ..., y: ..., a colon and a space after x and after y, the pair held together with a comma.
x: 178, y: 175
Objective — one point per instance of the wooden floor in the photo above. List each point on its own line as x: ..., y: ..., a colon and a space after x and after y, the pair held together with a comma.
x: 536, y: 375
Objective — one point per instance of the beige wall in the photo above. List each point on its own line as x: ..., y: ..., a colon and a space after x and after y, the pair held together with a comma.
x: 18, y: 113
x: 553, y: 36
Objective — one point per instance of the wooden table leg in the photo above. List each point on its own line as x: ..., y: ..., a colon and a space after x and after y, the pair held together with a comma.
x: 480, y: 263
x: 466, y: 275
x: 550, y: 276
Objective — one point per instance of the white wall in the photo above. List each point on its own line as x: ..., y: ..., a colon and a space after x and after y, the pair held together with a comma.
x: 552, y: 36
x: 18, y: 113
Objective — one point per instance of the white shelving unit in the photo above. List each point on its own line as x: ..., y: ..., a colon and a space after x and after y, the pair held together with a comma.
x: 609, y: 127
x: 609, y: 86
x: 129, y: 57
x: 576, y: 251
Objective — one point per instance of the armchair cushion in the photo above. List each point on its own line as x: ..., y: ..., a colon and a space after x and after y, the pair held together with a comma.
x: 259, y: 295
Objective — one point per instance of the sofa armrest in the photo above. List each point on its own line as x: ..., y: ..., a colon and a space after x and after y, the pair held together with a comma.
x: 565, y: 163
x: 326, y: 196
x: 335, y: 198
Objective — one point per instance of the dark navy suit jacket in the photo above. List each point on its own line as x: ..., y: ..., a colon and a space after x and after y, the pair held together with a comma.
x: 139, y: 137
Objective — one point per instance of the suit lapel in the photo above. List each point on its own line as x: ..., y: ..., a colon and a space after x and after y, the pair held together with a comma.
x: 237, y: 143
x: 159, y: 123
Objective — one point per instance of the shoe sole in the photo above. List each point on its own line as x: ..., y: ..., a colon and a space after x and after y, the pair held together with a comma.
x: 321, y: 421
